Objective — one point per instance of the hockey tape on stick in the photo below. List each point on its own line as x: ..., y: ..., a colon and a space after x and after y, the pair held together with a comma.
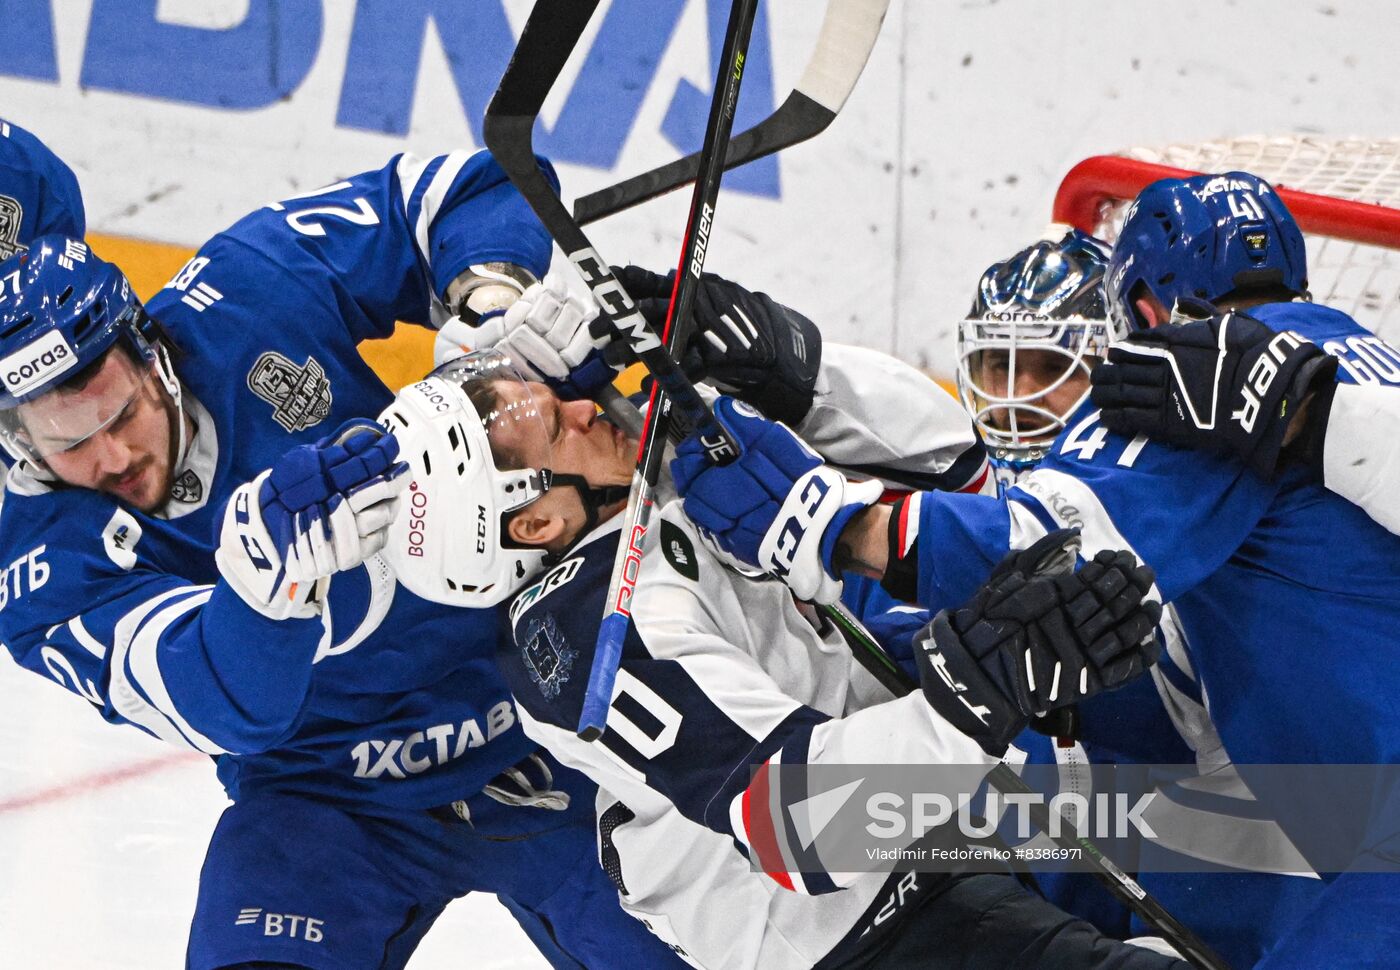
x: 550, y: 34
x: 608, y: 652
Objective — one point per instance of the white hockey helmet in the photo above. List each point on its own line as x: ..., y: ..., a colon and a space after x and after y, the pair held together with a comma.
x: 1047, y: 297
x: 449, y: 544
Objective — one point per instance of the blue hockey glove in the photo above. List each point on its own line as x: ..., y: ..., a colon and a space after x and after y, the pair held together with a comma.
x: 777, y: 507
x: 319, y: 510
x: 1038, y: 636
x: 1227, y: 384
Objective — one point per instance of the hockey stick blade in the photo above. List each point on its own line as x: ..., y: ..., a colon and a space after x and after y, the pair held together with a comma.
x: 847, y: 36
x: 508, y: 131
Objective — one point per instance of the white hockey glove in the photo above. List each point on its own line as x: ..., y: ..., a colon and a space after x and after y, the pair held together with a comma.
x: 546, y: 332
x: 319, y: 510
x: 483, y: 290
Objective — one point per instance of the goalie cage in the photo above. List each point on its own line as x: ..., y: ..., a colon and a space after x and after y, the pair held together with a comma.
x: 1345, y: 194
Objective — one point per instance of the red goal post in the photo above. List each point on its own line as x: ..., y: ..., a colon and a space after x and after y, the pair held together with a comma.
x: 1345, y: 194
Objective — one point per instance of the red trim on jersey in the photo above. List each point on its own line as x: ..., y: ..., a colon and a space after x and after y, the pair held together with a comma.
x: 758, y: 827
x: 903, y: 531
x: 976, y: 484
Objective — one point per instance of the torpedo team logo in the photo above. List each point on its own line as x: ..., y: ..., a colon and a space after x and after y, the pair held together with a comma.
x: 548, y: 657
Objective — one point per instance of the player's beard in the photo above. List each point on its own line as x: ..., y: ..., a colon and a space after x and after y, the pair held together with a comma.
x: 174, y: 415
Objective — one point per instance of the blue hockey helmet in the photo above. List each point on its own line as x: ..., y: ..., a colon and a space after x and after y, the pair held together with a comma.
x: 1204, y: 237
x: 1048, y: 299
x: 62, y: 308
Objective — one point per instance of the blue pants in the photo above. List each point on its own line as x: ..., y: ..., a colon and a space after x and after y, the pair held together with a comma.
x: 289, y: 879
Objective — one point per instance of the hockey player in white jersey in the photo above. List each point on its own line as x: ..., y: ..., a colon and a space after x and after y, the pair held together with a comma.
x: 1256, y: 570
x: 730, y: 670
x: 1268, y: 402
x: 192, y: 530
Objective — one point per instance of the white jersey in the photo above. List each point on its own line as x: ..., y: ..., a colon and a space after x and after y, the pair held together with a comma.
x: 725, y: 672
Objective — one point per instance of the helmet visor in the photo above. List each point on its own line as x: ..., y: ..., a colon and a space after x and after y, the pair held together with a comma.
x: 520, y: 417
x: 66, y: 418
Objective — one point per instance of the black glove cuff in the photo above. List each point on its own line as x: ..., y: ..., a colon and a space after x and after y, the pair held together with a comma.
x: 788, y: 396
x: 901, y: 578
x: 960, y: 692
x: 1308, y: 448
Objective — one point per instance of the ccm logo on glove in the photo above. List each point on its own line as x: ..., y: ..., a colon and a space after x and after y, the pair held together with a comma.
x: 810, y: 499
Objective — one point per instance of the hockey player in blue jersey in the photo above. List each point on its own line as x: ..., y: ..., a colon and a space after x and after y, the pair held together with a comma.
x: 38, y: 192
x: 1257, y: 571
x: 1037, y: 330
x: 1341, y: 429
x: 193, y: 527
x: 38, y: 195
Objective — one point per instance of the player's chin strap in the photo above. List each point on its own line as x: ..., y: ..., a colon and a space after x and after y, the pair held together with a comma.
x: 593, y: 497
x: 166, y: 370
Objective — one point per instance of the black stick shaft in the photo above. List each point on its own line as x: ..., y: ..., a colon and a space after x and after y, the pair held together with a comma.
x: 550, y: 35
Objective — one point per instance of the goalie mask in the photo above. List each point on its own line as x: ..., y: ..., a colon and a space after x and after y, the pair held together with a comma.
x: 1036, y: 327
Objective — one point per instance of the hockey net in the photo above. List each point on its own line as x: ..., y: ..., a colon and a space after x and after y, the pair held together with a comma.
x: 1345, y: 194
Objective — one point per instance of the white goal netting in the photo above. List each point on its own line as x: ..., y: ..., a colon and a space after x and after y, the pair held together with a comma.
x: 1363, y: 280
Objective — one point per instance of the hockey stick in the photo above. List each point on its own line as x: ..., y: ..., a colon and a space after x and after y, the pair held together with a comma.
x: 848, y: 34
x: 893, y: 678
x: 551, y: 32
x: 613, y: 630
x: 549, y: 36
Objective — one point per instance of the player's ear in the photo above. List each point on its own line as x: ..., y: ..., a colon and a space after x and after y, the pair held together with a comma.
x: 1151, y: 309
x: 536, y: 525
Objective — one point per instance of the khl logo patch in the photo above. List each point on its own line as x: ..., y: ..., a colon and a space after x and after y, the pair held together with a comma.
x: 187, y: 488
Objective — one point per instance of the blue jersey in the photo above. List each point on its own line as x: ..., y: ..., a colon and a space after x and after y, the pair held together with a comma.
x: 391, y: 699
x: 38, y: 193
x: 1287, y: 594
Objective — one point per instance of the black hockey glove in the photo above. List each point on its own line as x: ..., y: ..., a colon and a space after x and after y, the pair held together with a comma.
x: 1227, y: 384
x: 744, y: 343
x: 1038, y: 636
